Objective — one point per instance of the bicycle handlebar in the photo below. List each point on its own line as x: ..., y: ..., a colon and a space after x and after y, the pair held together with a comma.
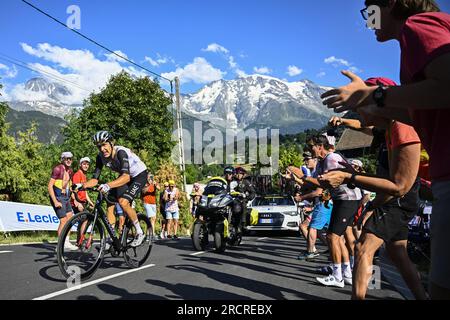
x: 75, y: 191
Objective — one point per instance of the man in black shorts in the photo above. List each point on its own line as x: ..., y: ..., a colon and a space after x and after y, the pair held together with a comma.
x: 345, y: 206
x: 59, y: 192
x: 128, y: 186
x: 388, y: 215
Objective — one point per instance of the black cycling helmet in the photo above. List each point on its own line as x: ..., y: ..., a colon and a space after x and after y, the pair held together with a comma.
x: 240, y: 170
x: 102, y: 137
x: 229, y: 170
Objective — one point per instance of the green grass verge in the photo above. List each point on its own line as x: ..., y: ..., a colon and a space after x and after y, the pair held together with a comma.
x: 27, y: 237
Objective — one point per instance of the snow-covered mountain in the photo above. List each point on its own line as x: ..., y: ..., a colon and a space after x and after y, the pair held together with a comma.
x: 45, y: 96
x: 259, y: 102
x: 255, y: 101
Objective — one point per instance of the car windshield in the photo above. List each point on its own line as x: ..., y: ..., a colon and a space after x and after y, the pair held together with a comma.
x: 273, y: 201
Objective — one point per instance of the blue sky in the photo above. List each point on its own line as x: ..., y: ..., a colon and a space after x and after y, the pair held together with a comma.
x: 198, y: 40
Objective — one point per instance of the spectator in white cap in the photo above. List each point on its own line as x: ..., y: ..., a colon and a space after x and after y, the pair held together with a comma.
x: 59, y: 191
x: 356, y: 164
x: 83, y: 196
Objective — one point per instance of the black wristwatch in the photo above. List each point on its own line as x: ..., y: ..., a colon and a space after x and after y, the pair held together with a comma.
x: 379, y: 96
x: 351, y: 183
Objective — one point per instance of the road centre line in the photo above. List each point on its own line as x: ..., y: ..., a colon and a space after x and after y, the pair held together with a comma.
x: 197, y: 253
x: 90, y: 283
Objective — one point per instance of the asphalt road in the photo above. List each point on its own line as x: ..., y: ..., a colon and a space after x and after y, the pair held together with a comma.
x: 263, y: 267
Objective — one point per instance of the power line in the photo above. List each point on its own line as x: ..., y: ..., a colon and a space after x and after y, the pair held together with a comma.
x: 96, y: 43
x: 48, y: 74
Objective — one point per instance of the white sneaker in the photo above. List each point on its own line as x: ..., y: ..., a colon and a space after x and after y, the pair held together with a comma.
x: 70, y: 247
x: 161, y: 235
x: 348, y: 281
x: 138, y: 240
x: 331, y: 281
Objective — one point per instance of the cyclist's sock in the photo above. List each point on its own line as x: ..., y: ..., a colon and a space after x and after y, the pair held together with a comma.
x: 346, y: 270
x: 337, y: 271
x: 138, y: 227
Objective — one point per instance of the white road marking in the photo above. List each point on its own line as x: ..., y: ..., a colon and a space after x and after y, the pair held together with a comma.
x: 197, y: 253
x: 262, y: 239
x: 87, y: 284
x: 5, y: 251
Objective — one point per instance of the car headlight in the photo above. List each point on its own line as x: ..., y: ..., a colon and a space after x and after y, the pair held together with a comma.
x: 291, y: 213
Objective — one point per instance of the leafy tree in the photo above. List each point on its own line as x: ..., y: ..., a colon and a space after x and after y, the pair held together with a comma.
x: 35, y: 168
x: 169, y: 171
x: 290, y: 156
x: 134, y: 110
x: 11, y: 168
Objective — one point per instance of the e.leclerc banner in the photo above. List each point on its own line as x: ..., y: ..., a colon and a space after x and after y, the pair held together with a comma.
x: 16, y: 216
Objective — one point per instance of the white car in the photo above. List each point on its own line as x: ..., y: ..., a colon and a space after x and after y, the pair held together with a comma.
x: 275, y: 212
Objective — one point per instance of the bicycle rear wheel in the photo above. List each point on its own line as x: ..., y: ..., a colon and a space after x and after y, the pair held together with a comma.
x: 83, y: 255
x: 136, y: 256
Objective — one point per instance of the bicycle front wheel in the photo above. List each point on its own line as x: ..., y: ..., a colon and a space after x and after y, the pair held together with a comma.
x: 81, y: 246
x: 136, y: 256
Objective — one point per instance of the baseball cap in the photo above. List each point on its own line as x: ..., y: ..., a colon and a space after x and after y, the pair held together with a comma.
x: 380, y: 81
x: 356, y: 162
x: 171, y: 183
x: 85, y: 159
x: 331, y: 139
x: 66, y: 154
x: 307, y: 155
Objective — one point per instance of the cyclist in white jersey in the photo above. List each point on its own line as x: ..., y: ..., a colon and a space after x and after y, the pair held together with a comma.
x: 127, y: 187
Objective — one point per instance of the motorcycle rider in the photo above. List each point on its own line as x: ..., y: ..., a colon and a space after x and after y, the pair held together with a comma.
x: 247, y: 193
x: 229, y: 175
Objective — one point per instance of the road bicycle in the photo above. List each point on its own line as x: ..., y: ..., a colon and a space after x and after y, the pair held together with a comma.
x: 88, y: 229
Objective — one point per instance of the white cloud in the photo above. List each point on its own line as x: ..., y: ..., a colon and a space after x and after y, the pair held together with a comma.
x: 152, y: 62
x: 200, y: 71
x: 234, y: 66
x: 262, y: 70
x: 321, y: 74
x: 294, y: 71
x: 355, y: 70
x: 241, y: 73
x: 74, y: 66
x: 232, y: 63
x: 7, y: 72
x: 336, y: 61
x: 19, y: 93
x: 113, y: 57
x: 214, y: 47
x: 160, y: 60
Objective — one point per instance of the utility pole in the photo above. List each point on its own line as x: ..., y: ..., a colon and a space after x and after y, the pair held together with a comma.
x: 180, y: 131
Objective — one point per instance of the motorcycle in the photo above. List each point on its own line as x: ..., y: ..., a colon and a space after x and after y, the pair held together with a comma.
x: 419, y: 233
x: 214, y: 217
x: 419, y: 237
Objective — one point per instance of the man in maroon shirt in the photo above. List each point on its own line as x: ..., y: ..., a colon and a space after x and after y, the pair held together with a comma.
x: 423, y: 100
x: 59, y: 192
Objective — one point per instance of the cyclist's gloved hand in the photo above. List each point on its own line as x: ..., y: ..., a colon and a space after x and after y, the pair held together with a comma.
x: 77, y: 186
x: 104, y: 188
x: 242, y: 196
